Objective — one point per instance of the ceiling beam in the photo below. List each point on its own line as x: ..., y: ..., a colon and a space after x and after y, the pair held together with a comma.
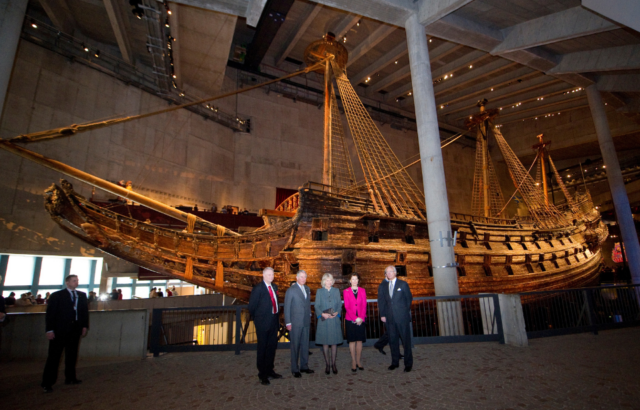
x: 472, y: 75
x: 624, y: 83
x: 116, y: 18
x: 604, y: 59
x: 394, y: 12
x: 266, y: 31
x: 430, y: 10
x: 468, y: 59
x: 624, y: 12
x: 555, y: 88
x: 484, y: 88
x: 176, y: 45
x: 565, y: 25
x: 370, y: 42
x: 539, y: 109
x: 391, y: 56
x: 304, y: 22
x: 530, y: 83
x: 345, y: 25
x: 234, y: 7
x: 254, y: 11
x: 404, y: 72
x: 59, y: 14
x: 460, y: 30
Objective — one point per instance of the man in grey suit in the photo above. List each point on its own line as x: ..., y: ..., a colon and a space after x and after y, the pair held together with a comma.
x: 394, y: 304
x: 297, y: 316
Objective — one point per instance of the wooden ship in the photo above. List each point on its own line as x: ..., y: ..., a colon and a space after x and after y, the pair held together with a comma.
x: 340, y: 226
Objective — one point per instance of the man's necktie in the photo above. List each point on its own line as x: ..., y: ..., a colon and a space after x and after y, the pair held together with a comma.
x: 391, y: 289
x: 74, y: 299
x: 273, y: 301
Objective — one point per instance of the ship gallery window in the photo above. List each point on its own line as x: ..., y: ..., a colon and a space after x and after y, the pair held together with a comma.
x: 320, y: 229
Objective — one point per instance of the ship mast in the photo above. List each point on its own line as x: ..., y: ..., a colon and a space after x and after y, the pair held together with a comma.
x: 540, y: 147
x: 483, y: 135
x: 326, y: 165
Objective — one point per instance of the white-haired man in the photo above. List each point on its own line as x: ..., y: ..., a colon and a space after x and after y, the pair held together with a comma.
x: 263, y: 307
x: 394, y: 304
x: 297, y: 316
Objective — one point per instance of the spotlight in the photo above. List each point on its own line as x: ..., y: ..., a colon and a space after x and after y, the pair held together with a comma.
x: 358, y: 23
x: 85, y: 48
x: 168, y: 11
x: 34, y: 25
x: 492, y: 89
x: 430, y: 40
x: 344, y: 40
x: 97, y: 54
x: 396, y: 61
x: 138, y: 12
x: 409, y: 92
x: 166, y: 23
x: 471, y: 66
x: 174, y: 76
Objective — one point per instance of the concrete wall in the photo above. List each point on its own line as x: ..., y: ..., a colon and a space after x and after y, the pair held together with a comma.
x: 177, y: 158
x: 147, y: 304
x: 121, y: 333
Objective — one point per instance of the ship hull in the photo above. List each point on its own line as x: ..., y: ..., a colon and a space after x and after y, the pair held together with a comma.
x: 330, y: 233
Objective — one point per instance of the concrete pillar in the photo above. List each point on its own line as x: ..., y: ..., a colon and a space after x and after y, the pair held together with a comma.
x: 11, y: 18
x: 616, y: 183
x: 513, y: 325
x: 445, y: 278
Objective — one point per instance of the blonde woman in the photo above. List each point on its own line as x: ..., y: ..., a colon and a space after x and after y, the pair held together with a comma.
x: 328, y: 329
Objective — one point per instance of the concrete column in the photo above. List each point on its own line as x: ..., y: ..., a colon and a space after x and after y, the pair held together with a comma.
x: 445, y: 278
x: 616, y: 183
x: 11, y: 18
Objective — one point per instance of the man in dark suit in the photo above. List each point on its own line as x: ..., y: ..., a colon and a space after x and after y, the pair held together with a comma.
x: 394, y: 303
x: 67, y: 319
x: 297, y: 316
x: 263, y: 307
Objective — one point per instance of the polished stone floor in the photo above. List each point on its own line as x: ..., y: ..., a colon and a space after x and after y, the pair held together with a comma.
x: 567, y: 372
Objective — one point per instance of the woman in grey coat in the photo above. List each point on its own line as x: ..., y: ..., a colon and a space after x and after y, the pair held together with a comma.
x: 328, y: 309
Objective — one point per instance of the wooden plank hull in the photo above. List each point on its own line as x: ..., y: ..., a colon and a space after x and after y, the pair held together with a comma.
x: 330, y: 233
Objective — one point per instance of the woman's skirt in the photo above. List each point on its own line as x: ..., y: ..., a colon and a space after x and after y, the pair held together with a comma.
x: 355, y: 333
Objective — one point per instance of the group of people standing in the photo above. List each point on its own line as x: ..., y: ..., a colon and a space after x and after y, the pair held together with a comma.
x: 394, y: 304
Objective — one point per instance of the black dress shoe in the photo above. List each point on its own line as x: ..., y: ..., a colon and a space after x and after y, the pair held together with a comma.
x: 407, y: 369
x: 393, y: 367
x: 334, y: 369
x: 327, y: 370
x: 47, y: 389
x: 354, y: 370
x: 360, y: 368
x: 402, y: 356
x: 381, y: 350
x: 297, y: 375
x: 265, y: 381
x: 76, y: 381
x: 307, y: 371
x: 275, y: 375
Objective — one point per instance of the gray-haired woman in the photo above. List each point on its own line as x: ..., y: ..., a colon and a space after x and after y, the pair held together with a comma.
x: 328, y: 330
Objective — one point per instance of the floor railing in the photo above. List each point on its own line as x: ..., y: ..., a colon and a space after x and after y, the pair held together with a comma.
x: 450, y: 319
x: 567, y: 311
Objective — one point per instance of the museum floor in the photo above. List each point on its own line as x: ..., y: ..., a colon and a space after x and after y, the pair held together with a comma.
x: 566, y: 372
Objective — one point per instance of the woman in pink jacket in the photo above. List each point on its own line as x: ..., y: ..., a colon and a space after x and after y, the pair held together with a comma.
x: 355, y: 303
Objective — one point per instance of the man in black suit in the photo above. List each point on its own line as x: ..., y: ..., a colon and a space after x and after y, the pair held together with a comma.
x: 67, y: 319
x: 263, y: 307
x: 297, y: 316
x: 394, y: 303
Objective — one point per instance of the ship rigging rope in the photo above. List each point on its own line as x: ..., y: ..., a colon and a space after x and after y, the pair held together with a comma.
x: 77, y: 128
x: 518, y: 187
